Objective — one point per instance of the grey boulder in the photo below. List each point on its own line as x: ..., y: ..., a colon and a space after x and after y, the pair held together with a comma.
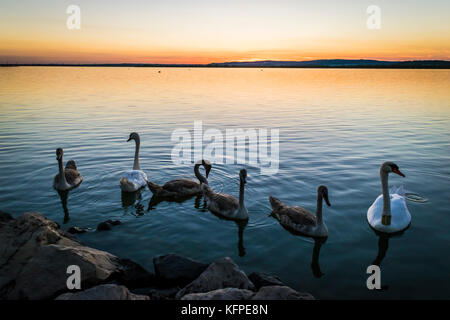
x: 103, y: 292
x: 20, y: 240
x: 261, y: 279
x: 222, y: 273
x: 45, y: 275
x: 174, y: 269
x: 221, y: 294
x: 280, y: 293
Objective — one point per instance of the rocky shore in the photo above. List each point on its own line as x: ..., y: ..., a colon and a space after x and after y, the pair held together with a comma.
x: 35, y: 254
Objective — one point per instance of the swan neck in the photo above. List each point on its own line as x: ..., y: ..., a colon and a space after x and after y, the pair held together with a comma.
x: 62, y: 175
x: 319, y: 208
x: 385, y: 189
x: 136, y: 165
x: 199, y: 176
x: 241, y: 194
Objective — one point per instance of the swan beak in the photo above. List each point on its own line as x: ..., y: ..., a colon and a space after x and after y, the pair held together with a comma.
x: 207, y: 172
x: 128, y: 139
x: 397, y: 171
x: 327, y: 201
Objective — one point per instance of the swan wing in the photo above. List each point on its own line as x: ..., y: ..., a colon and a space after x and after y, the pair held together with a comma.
x: 223, y: 203
x: 400, y: 216
x: 181, y: 185
x: 137, y: 177
x: 375, y: 212
x: 73, y: 177
x: 299, y: 215
x: 400, y: 190
x: 71, y: 165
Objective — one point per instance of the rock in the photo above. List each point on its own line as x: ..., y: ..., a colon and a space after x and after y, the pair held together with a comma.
x: 76, y: 230
x: 221, y: 294
x: 261, y: 279
x: 20, y: 240
x: 222, y: 273
x: 173, y: 269
x: 107, y: 225
x: 45, y: 275
x: 5, y: 218
x: 103, y: 292
x: 104, y: 226
x: 133, y: 275
x: 158, y: 293
x: 280, y: 293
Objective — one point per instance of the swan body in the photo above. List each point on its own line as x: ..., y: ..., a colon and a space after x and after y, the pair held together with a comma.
x: 133, y: 180
x: 182, y: 187
x: 68, y: 177
x: 400, y: 216
x: 301, y: 220
x: 389, y: 213
x: 226, y: 205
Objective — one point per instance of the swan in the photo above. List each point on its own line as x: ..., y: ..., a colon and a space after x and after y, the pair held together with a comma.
x: 226, y: 205
x: 300, y: 219
x: 182, y: 187
x: 135, y: 179
x: 389, y: 212
x: 67, y: 178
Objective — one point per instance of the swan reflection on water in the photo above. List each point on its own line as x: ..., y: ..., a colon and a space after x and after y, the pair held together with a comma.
x: 241, y: 224
x: 64, y: 195
x: 383, y: 246
x: 200, y: 204
x: 133, y: 199
x: 155, y: 200
x: 318, y: 242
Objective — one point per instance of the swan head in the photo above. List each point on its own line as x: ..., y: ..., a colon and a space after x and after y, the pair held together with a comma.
x: 389, y: 167
x: 207, y: 165
x: 243, y: 175
x: 323, y: 191
x: 133, y: 136
x: 59, y: 153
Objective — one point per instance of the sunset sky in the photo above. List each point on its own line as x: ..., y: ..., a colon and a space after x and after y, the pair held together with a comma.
x: 176, y: 31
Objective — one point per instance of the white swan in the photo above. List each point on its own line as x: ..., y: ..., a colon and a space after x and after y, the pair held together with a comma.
x: 135, y: 179
x: 389, y: 212
x: 225, y: 205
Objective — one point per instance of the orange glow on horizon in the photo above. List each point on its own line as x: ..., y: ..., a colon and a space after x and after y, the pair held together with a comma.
x: 207, y: 32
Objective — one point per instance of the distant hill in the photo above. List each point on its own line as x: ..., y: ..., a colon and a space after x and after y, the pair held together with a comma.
x: 339, y: 63
x: 325, y: 63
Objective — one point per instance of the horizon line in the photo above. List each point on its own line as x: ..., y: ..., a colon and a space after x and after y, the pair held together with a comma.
x: 316, y: 63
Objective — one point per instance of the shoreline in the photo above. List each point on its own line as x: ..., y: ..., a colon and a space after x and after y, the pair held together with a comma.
x: 35, y: 255
x: 313, y: 64
x: 233, y: 67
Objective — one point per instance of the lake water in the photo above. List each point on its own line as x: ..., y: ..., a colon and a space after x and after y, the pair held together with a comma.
x: 336, y: 128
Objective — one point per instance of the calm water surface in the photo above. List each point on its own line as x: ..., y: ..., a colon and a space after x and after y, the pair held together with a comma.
x: 336, y: 128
